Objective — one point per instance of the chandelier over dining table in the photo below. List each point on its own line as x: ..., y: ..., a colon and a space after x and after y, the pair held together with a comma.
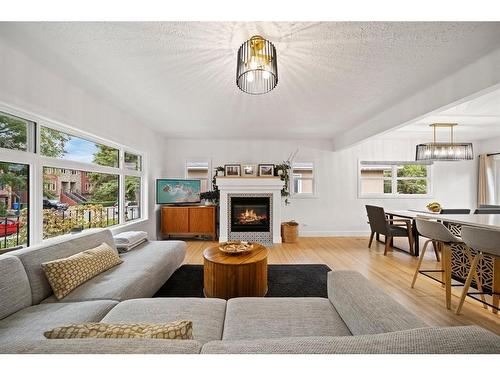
x: 256, y: 69
x: 444, y: 151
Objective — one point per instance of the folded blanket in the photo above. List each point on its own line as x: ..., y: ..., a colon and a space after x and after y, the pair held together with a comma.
x: 127, y: 238
x: 122, y: 248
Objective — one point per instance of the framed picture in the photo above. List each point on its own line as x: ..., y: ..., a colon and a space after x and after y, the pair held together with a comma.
x: 249, y: 170
x: 266, y: 170
x: 232, y: 170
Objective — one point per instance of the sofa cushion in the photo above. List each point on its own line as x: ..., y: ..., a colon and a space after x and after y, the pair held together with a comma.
x: 430, y: 340
x: 66, y: 274
x: 207, y: 314
x: 178, y: 330
x: 31, y: 322
x: 143, y: 271
x: 252, y: 318
x: 366, y: 309
x: 15, y: 292
x: 104, y: 346
x: 33, y: 257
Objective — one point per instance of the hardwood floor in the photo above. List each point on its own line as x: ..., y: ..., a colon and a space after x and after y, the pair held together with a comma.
x: 393, y: 273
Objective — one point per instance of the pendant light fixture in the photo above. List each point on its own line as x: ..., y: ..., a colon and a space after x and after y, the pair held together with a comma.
x: 256, y: 68
x: 439, y: 151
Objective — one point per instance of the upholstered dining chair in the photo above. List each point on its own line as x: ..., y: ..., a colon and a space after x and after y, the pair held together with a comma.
x: 389, y: 228
x: 484, y: 241
x: 437, y: 234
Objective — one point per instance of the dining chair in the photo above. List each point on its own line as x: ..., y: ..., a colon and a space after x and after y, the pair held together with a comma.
x: 440, y: 235
x: 486, y: 211
x: 484, y: 241
x: 389, y: 228
x: 455, y: 211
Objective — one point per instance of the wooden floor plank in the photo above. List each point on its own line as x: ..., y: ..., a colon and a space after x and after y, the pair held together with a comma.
x: 393, y: 273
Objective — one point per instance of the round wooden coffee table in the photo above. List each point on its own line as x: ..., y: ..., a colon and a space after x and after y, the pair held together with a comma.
x: 235, y: 275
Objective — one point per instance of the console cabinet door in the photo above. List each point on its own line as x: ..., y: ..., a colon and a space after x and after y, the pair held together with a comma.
x: 201, y: 220
x: 175, y: 220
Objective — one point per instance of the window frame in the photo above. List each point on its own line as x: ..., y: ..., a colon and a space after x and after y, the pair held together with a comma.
x: 36, y: 162
x: 394, y: 180
x: 314, y: 180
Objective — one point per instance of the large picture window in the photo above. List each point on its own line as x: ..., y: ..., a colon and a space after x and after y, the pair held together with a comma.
x: 76, y: 181
x: 394, y: 179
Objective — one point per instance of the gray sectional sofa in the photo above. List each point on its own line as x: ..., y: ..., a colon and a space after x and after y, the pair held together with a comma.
x: 355, y: 318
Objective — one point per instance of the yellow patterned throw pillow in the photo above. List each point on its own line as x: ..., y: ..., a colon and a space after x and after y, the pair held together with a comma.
x: 66, y: 274
x: 178, y: 330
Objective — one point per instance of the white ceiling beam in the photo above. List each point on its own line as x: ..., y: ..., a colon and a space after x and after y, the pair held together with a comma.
x: 477, y: 78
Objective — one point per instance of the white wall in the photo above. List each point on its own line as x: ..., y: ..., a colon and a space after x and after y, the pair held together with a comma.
x: 337, y: 210
x: 34, y: 88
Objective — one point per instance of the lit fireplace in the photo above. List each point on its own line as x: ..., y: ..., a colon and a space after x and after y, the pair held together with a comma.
x: 250, y: 214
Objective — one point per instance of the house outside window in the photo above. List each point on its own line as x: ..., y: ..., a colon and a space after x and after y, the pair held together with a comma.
x: 303, y: 179
x: 199, y: 171
x: 394, y: 179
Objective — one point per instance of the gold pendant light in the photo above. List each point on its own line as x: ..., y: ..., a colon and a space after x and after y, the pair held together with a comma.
x: 439, y: 151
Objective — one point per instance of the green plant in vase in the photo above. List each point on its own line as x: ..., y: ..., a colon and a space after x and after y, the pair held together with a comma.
x: 283, y: 172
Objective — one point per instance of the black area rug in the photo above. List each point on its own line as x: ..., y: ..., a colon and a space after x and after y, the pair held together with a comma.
x: 284, y: 280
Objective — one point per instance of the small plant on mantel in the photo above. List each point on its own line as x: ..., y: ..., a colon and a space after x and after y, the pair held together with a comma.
x: 283, y: 171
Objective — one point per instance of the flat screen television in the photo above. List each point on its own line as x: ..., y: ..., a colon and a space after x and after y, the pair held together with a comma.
x: 177, y: 191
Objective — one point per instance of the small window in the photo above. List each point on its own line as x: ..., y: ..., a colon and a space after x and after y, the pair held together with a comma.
x: 56, y: 144
x: 14, y: 132
x: 394, y: 179
x: 199, y: 171
x: 14, y: 206
x: 78, y: 200
x: 132, y: 198
x: 303, y: 179
x: 133, y: 162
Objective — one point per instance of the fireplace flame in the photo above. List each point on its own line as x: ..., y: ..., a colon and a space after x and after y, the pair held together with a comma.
x: 250, y: 216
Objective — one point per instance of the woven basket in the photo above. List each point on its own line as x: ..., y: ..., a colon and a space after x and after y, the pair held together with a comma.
x: 289, y: 231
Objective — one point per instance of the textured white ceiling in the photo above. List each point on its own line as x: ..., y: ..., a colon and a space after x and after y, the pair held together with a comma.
x: 477, y: 119
x: 179, y: 78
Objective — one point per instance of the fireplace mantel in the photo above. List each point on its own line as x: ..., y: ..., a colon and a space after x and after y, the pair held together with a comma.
x: 257, y: 185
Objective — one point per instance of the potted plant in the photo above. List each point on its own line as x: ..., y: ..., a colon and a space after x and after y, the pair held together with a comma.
x: 283, y: 171
x: 210, y: 196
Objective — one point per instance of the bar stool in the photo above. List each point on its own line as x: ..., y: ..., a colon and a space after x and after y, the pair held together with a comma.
x: 440, y: 235
x: 484, y: 241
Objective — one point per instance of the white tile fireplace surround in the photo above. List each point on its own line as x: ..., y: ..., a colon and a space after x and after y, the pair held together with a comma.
x: 231, y: 187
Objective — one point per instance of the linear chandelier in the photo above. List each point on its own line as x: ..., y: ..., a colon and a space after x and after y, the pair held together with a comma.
x: 256, y: 69
x: 439, y: 151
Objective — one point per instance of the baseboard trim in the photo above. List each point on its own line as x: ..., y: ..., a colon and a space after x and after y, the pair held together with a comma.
x: 324, y: 233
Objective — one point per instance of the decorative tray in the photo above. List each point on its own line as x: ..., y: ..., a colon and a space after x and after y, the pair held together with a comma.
x: 236, y: 247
